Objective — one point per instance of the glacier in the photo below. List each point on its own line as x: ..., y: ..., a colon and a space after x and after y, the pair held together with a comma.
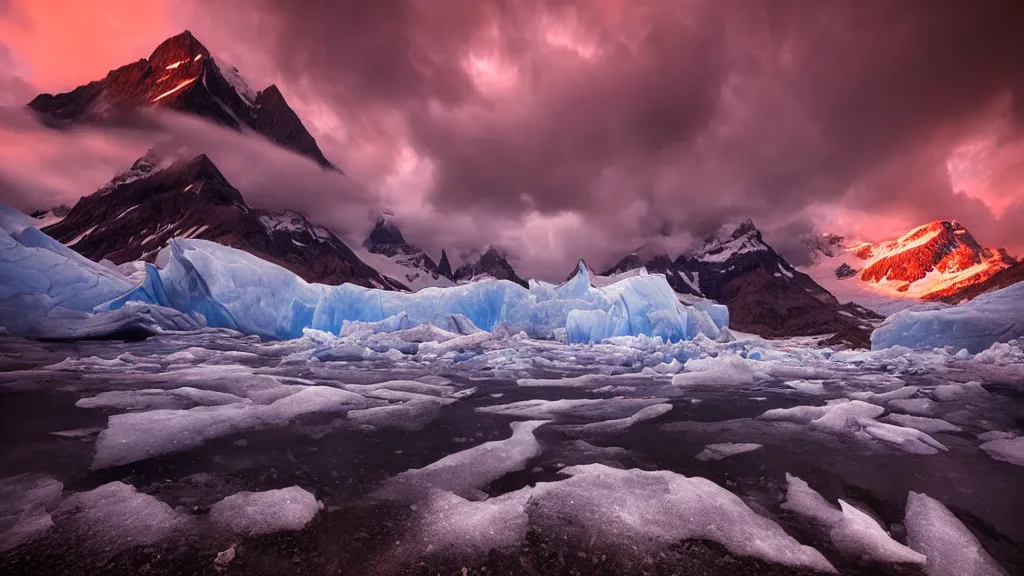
x: 48, y: 290
x: 996, y: 316
x: 228, y: 288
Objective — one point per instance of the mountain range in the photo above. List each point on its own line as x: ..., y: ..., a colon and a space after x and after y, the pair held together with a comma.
x: 845, y: 293
x: 765, y: 294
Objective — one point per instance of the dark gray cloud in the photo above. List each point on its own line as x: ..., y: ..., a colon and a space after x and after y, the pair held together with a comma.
x: 685, y: 114
x: 569, y: 128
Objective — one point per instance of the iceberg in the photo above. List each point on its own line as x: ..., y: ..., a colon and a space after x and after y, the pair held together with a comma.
x: 996, y: 316
x: 48, y: 290
x: 230, y: 288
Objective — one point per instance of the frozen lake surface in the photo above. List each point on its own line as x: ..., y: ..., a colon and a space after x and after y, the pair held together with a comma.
x: 422, y: 452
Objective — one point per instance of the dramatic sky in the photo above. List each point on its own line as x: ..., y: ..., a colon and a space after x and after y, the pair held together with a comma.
x: 567, y: 128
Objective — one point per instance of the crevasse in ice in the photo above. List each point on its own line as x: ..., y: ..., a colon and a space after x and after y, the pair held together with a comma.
x: 996, y: 316
x: 233, y: 289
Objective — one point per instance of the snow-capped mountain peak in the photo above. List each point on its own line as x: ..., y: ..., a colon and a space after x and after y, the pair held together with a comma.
x: 387, y: 250
x: 743, y: 238
x: 934, y: 261
x: 492, y: 263
x: 181, y: 74
x: 823, y: 245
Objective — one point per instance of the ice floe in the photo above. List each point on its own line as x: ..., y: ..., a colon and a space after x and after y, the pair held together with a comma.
x: 116, y: 516
x: 618, y: 425
x: 640, y: 510
x: 1006, y: 449
x: 254, y: 513
x: 859, y: 420
x: 466, y: 473
x: 139, y: 435
x: 26, y: 501
x: 726, y: 449
x: 603, y: 408
x: 853, y: 532
x: 922, y: 423
x: 447, y: 524
x: 857, y: 534
x: 951, y: 549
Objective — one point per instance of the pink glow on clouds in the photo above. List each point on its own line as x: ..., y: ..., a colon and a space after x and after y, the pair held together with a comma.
x: 548, y: 69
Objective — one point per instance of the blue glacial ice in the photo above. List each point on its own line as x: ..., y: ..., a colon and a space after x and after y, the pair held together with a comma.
x: 997, y: 316
x: 230, y: 288
x: 48, y: 290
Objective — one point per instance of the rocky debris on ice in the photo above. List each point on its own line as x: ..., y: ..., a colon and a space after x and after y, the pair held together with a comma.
x: 255, y: 513
x: 950, y: 547
x: 724, y: 450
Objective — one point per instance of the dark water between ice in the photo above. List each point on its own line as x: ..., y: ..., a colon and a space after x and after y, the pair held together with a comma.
x: 354, y: 534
